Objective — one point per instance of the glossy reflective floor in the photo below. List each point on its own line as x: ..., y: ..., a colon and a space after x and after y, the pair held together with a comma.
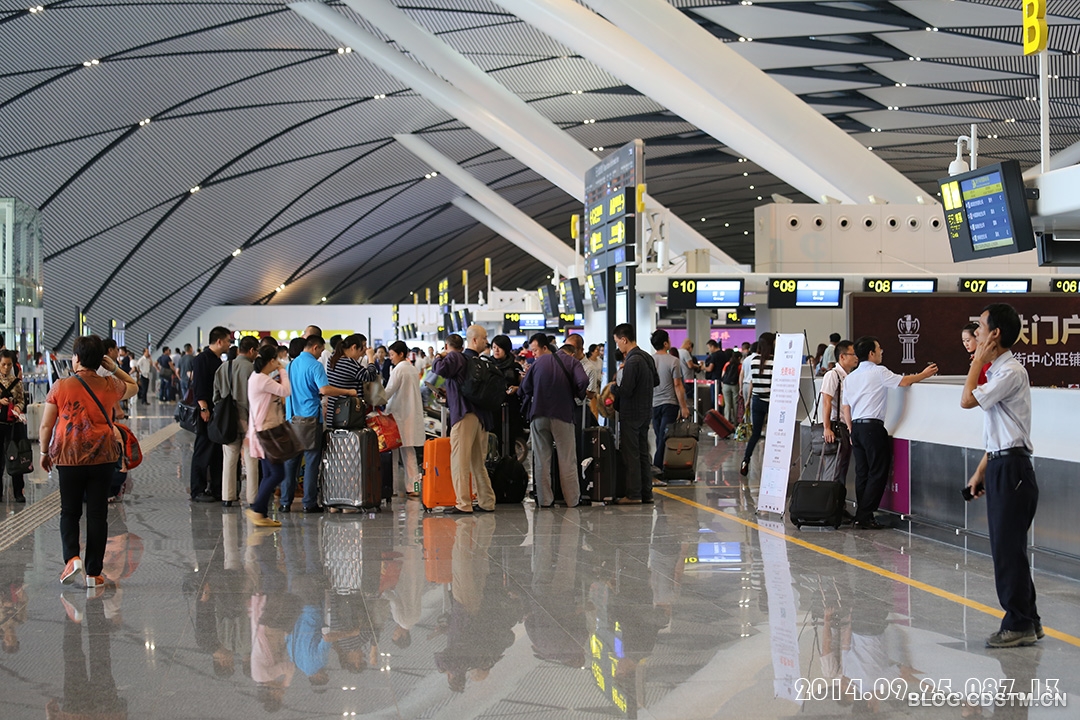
x: 691, y: 608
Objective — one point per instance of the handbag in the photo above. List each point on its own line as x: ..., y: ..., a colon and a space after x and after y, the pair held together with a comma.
x: 349, y: 414
x: 19, y: 457
x: 128, y: 444
x: 187, y: 416
x: 386, y: 430
x: 306, y: 430
x: 10, y: 414
x: 279, y: 440
x: 375, y: 393
x: 224, y: 420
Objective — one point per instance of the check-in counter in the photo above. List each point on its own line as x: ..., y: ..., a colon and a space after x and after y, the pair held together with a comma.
x: 937, y: 447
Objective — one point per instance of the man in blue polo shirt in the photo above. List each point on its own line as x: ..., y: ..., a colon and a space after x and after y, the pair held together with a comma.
x: 307, y: 376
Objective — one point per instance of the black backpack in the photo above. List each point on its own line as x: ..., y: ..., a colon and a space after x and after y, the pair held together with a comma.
x: 484, y: 385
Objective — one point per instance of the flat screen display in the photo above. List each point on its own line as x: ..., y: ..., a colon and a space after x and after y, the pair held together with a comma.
x: 985, y: 285
x: 573, y: 299
x: 691, y: 293
x: 805, y: 293
x: 529, y: 323
x: 986, y: 212
x: 890, y: 285
x: 599, y: 297
x: 549, y: 301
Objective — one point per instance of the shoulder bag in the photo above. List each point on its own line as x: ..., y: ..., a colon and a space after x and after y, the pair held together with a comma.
x: 187, y: 411
x: 9, y: 415
x: 130, y: 450
x: 224, y: 420
x: 278, y: 438
x: 818, y: 446
x: 374, y: 393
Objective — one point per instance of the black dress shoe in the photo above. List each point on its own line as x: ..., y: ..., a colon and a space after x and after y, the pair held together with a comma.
x: 285, y: 508
x: 477, y: 508
x: 869, y: 525
x: 314, y: 509
x: 20, y: 498
x: 583, y: 502
x: 202, y: 498
x: 647, y: 500
x: 457, y: 511
x: 228, y: 503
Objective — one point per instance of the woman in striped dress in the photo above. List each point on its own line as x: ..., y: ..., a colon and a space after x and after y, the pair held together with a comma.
x: 761, y: 367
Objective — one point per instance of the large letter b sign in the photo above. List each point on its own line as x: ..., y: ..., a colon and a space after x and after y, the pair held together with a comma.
x: 1034, y: 26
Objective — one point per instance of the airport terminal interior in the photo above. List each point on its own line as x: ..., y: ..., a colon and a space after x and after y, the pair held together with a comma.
x: 408, y: 169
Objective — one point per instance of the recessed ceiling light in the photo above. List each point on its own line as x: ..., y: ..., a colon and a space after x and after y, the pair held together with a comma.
x: 194, y: 189
x: 91, y: 63
x: 236, y: 252
x: 702, y: 219
x: 144, y: 122
x: 727, y: 224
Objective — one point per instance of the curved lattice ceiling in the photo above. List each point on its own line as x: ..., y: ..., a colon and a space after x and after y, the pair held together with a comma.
x: 113, y: 111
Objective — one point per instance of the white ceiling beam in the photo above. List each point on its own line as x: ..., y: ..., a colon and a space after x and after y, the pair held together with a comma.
x: 529, y: 235
x: 496, y: 224
x: 499, y: 130
x: 612, y: 49
x: 721, y: 74
x: 542, y: 135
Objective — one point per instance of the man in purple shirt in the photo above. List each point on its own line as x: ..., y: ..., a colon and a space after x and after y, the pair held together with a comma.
x: 469, y: 424
x: 553, y: 381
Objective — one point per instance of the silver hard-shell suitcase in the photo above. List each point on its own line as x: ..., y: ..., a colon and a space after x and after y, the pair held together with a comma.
x: 351, y: 475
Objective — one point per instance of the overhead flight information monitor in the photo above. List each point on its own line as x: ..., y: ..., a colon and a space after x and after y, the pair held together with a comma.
x: 890, y: 285
x: 691, y: 293
x: 610, y: 200
x: 986, y: 212
x: 796, y: 293
x: 984, y: 285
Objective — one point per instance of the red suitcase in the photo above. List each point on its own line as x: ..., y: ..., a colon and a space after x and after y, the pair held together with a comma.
x: 719, y: 424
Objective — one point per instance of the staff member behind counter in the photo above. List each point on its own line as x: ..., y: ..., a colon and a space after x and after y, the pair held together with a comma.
x: 865, y: 392
x: 1005, y: 474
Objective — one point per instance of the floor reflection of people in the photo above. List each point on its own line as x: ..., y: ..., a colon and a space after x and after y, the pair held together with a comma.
x: 307, y: 647
x: 272, y: 611
x: 406, y: 597
x: 555, y: 616
x: 483, y: 610
x: 13, y: 600
x: 89, y: 688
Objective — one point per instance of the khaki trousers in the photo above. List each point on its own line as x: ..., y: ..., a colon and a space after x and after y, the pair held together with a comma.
x: 468, y: 447
x: 231, y: 454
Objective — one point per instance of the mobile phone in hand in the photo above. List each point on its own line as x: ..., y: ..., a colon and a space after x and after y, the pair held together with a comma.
x: 966, y: 492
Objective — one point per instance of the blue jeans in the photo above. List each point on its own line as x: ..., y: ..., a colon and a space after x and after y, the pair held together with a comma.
x: 312, y: 463
x: 272, y: 475
x: 662, y: 416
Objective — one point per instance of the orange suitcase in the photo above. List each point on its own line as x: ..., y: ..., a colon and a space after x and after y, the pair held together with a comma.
x: 438, y: 489
x: 439, y: 533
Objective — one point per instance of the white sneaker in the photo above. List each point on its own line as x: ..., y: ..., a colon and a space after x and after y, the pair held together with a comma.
x: 72, y: 571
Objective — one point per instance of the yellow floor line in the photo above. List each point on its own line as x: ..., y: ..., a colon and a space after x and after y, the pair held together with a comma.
x: 896, y: 577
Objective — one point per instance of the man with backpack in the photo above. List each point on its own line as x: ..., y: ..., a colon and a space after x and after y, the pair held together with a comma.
x: 469, y: 421
x: 551, y: 384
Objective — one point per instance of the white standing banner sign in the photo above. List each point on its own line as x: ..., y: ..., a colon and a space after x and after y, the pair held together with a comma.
x: 780, y: 433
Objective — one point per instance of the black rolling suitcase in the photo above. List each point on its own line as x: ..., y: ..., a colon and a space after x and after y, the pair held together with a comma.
x: 351, y: 470
x: 818, y: 503
x: 601, y: 475
x: 508, y: 477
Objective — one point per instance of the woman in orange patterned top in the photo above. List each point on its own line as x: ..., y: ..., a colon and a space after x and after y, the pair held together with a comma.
x: 84, y: 448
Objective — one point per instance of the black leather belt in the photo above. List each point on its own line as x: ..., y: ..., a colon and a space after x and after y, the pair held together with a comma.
x: 1018, y: 451
x: 867, y: 421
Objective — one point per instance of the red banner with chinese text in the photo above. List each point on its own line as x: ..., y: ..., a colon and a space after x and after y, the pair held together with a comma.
x: 918, y: 329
